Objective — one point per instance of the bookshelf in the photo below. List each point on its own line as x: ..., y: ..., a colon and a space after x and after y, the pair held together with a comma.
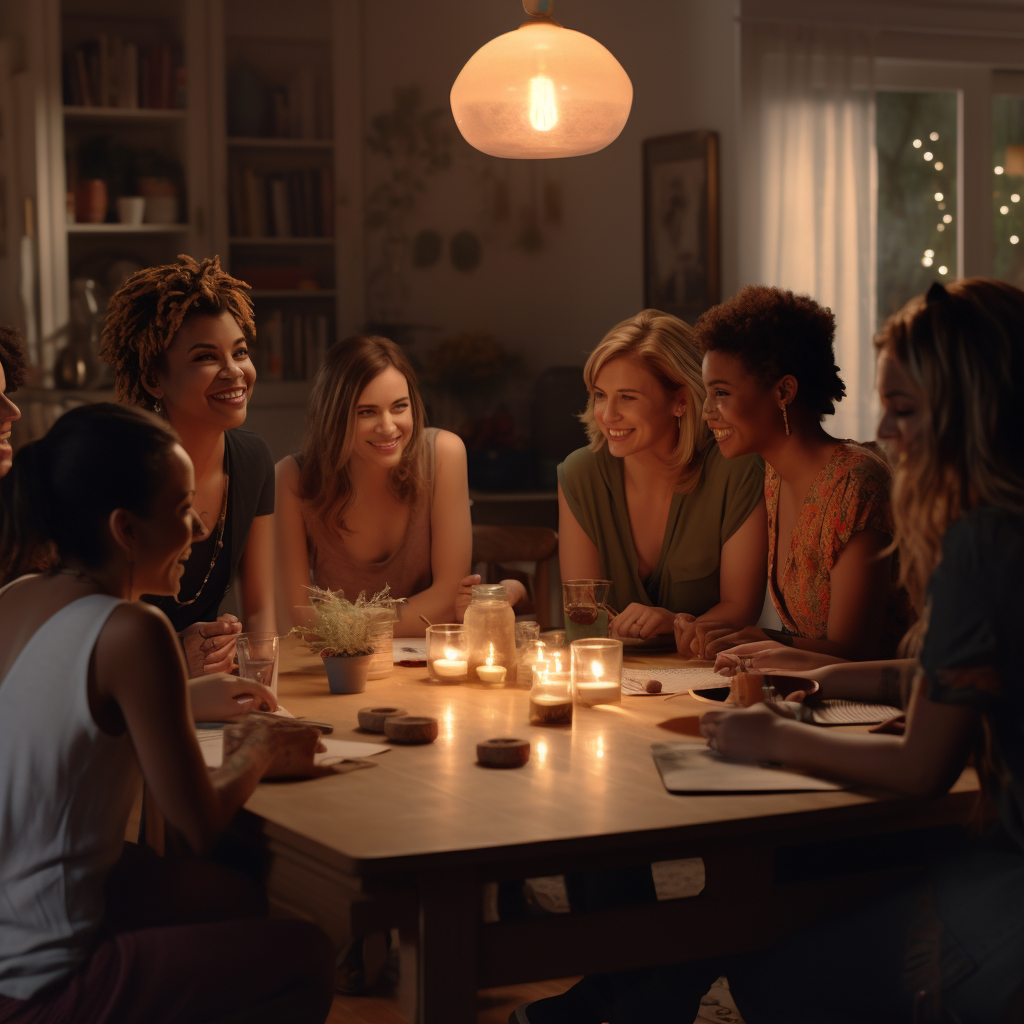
x: 305, y: 267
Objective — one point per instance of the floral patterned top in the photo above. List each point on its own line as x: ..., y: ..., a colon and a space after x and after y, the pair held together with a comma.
x: 850, y: 494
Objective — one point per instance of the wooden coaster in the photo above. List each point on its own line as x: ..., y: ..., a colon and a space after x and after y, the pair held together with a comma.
x: 373, y: 719
x: 503, y: 753
x: 410, y: 729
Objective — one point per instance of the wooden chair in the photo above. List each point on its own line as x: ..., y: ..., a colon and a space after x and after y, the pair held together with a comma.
x: 496, y: 549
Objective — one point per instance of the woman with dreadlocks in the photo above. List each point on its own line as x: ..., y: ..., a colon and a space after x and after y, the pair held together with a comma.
x: 178, y: 339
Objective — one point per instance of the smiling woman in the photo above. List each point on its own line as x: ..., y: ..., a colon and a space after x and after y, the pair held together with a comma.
x: 651, y: 505
x: 178, y: 338
x: 375, y: 497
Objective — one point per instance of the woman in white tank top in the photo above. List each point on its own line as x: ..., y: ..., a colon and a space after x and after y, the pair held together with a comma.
x: 92, y: 687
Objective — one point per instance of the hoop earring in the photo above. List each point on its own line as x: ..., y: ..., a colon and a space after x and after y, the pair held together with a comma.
x: 785, y: 418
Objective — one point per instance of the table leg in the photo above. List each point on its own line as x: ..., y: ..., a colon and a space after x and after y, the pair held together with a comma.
x: 439, y: 952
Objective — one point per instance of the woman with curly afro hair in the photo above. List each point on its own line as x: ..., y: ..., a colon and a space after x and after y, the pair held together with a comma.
x: 771, y: 378
x: 178, y: 337
x: 13, y: 367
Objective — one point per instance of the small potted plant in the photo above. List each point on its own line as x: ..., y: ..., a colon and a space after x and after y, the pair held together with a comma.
x: 341, y: 632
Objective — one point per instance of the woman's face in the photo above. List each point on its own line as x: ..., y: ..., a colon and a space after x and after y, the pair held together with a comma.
x: 383, y: 420
x: 163, y: 537
x: 9, y: 412
x: 208, y: 375
x: 634, y: 411
x: 742, y: 413
x: 904, y: 409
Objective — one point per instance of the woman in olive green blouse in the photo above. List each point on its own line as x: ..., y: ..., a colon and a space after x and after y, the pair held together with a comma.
x: 651, y: 504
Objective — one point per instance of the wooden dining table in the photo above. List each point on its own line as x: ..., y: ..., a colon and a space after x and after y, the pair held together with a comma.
x: 412, y: 843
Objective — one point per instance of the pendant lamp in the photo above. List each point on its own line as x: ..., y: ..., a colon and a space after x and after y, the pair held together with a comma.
x: 541, y: 91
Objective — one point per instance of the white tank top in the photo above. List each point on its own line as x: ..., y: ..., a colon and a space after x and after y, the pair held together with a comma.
x: 66, y: 790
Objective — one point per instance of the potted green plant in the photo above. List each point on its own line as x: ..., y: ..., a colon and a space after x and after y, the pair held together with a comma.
x: 341, y: 632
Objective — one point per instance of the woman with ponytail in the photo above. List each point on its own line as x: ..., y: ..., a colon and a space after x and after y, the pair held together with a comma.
x: 178, y: 338
x: 93, y: 689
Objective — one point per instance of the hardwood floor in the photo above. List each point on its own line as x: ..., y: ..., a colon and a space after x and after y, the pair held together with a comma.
x: 497, y: 1003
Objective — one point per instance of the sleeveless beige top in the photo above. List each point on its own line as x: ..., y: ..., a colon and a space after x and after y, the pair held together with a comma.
x: 333, y: 555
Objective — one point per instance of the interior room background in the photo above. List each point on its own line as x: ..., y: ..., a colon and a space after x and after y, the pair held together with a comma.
x: 500, y: 276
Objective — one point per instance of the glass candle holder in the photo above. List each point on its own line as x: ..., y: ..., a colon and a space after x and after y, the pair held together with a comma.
x: 382, y: 636
x: 550, y: 697
x: 597, y: 671
x: 490, y: 634
x: 526, y: 631
x: 447, y: 661
x: 531, y: 654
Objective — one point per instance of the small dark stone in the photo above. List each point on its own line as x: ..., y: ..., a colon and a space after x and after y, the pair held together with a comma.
x: 653, y: 686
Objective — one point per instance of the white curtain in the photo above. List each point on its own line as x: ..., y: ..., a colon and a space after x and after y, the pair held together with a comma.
x: 809, y: 187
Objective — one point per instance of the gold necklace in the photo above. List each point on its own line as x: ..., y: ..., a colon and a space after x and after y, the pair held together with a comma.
x: 221, y: 523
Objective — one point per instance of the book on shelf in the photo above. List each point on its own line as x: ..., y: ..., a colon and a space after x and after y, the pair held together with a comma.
x: 109, y: 71
x: 288, y: 204
x: 291, y: 346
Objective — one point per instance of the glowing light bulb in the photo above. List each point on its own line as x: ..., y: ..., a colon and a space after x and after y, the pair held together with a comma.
x: 1015, y: 198
x: 943, y: 270
x: 1014, y: 239
x: 939, y: 197
x: 939, y: 165
x: 928, y: 156
x: 917, y: 143
x: 947, y: 219
x: 927, y: 261
x: 543, y: 112
x: 929, y: 252
x: 940, y: 227
x: 998, y: 169
x: 1004, y: 209
x: 934, y: 136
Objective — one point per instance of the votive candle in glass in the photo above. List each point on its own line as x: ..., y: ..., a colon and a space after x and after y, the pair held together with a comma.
x: 531, y: 654
x: 597, y: 671
x: 550, y: 697
x: 488, y: 672
x: 447, y: 661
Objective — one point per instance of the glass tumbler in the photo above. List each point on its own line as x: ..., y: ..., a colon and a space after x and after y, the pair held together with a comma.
x: 258, y: 657
x: 584, y: 604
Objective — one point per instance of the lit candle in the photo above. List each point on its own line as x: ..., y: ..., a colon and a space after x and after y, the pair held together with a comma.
x: 451, y: 666
x: 597, y: 670
x: 491, y: 673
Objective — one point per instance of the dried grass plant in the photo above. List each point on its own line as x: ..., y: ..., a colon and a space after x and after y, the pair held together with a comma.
x: 341, y: 628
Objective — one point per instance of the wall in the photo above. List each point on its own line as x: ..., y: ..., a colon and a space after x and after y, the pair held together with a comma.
x: 554, y: 305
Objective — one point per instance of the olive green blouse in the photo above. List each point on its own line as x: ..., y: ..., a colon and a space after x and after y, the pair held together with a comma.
x: 699, y: 523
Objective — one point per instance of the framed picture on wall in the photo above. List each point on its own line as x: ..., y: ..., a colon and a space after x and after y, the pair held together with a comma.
x: 681, y: 250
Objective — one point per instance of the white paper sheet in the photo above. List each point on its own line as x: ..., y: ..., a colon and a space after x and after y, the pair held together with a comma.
x: 673, y: 680
x: 410, y: 648
x: 694, y: 768
x: 211, y: 743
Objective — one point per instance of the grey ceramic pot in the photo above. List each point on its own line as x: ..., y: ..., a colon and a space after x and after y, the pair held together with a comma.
x: 347, y: 674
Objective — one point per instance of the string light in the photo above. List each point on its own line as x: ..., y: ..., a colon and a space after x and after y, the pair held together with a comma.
x: 943, y: 270
x: 1004, y: 209
x: 998, y: 170
x: 928, y: 156
x: 934, y: 136
x: 947, y: 219
x: 939, y: 197
x: 939, y: 165
x: 929, y: 252
x: 927, y: 261
x: 940, y: 227
x: 1014, y: 239
x: 1015, y: 198
x: 917, y: 143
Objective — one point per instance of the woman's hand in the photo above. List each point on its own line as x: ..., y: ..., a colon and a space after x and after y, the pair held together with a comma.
x: 711, y: 638
x: 748, y: 734
x: 221, y: 697
x: 210, y: 646
x: 769, y: 656
x: 641, y: 620
x: 516, y: 593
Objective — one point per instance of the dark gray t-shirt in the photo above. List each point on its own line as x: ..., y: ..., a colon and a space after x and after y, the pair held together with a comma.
x: 977, y: 613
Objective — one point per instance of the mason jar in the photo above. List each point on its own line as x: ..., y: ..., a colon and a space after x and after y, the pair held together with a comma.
x: 490, y: 636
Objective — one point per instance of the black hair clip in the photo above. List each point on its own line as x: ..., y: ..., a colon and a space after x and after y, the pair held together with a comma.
x: 936, y: 293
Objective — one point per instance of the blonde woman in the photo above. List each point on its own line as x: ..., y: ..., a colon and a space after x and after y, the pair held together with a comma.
x: 375, y: 497
x: 651, y: 504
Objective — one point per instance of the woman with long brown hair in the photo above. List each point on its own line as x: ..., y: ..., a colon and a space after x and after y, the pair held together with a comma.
x: 178, y: 337
x: 375, y: 497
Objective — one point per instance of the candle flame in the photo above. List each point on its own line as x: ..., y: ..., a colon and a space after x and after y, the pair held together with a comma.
x: 490, y: 654
x: 543, y: 112
x: 450, y: 653
x: 596, y: 669
x: 558, y: 663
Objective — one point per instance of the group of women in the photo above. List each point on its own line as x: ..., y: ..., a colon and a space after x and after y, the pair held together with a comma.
x: 708, y: 475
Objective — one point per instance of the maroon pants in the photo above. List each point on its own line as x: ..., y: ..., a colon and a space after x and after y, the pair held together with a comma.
x: 152, y: 965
